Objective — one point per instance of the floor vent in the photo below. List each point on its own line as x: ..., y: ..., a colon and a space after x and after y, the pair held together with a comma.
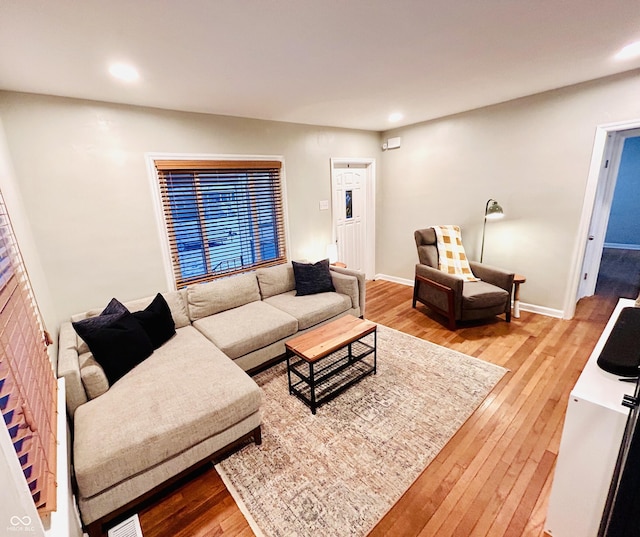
x: 127, y: 528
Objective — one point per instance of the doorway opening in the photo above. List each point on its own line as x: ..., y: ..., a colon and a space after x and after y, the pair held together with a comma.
x: 353, y: 212
x: 597, y: 211
x: 619, y: 274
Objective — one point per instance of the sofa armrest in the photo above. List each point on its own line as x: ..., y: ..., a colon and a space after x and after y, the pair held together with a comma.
x: 362, y: 284
x: 493, y: 275
x: 69, y: 367
x: 347, y: 285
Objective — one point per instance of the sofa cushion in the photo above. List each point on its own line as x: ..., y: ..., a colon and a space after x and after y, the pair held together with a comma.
x: 312, y: 278
x: 241, y: 330
x: 186, y: 392
x: 176, y: 300
x: 310, y: 310
x: 224, y: 294
x: 118, y: 346
x: 156, y: 321
x: 93, y: 378
x: 347, y: 285
x: 276, y: 280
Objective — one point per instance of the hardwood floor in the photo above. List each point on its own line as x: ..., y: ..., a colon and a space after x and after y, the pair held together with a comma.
x: 619, y: 273
x: 494, y: 477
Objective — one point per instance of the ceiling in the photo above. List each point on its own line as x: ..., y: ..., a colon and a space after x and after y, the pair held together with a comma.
x: 343, y: 63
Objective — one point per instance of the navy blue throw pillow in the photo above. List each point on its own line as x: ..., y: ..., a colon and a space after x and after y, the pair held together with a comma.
x: 312, y: 278
x: 116, y: 339
x: 157, y: 322
x: 113, y: 310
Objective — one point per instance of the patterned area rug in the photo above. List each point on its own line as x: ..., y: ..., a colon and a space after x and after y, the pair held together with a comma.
x: 337, y: 473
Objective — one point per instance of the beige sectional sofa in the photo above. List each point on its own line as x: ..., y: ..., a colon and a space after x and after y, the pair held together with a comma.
x: 191, y: 400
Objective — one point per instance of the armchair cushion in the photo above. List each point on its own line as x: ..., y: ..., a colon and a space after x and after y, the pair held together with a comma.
x: 426, y: 244
x: 481, y: 295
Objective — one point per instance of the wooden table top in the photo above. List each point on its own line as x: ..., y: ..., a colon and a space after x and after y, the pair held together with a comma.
x: 328, y: 338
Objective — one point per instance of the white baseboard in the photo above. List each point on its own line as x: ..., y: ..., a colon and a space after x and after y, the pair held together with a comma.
x: 393, y: 279
x: 532, y: 308
x: 541, y: 310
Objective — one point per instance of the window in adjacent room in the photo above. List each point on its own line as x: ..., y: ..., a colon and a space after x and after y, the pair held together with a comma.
x: 222, y: 216
x: 28, y: 388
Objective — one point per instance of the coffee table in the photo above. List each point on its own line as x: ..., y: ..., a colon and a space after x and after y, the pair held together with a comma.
x: 324, y: 362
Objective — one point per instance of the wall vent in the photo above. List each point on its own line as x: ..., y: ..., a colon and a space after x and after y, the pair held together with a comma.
x: 127, y: 528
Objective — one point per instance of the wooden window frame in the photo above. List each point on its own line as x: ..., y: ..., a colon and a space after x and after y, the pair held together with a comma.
x: 261, y: 190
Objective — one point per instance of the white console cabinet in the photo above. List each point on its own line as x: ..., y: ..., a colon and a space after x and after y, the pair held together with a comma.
x: 591, y: 437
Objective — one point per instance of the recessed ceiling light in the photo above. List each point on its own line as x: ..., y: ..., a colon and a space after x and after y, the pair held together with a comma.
x: 628, y: 52
x: 124, y: 72
x: 395, y: 117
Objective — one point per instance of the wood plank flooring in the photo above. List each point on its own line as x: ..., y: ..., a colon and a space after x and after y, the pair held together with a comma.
x: 494, y: 477
x: 619, y: 273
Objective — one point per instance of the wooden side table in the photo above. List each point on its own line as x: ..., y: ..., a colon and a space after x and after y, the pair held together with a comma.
x: 517, y: 280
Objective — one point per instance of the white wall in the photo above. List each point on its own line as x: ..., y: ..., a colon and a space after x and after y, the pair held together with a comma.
x: 22, y: 228
x: 81, y: 170
x: 531, y: 154
x: 82, y: 178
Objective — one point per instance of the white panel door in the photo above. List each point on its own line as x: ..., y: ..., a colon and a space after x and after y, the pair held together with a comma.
x: 349, y: 204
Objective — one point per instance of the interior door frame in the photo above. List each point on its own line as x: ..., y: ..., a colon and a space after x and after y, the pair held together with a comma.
x: 369, y: 208
x: 601, y: 180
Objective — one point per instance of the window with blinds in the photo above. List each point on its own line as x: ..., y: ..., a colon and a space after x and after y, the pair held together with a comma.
x: 28, y: 388
x: 222, y: 216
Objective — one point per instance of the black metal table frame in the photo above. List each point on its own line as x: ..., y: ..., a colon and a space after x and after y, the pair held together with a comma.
x: 327, y: 371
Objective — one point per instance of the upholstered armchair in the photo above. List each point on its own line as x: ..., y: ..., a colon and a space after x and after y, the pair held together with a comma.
x: 450, y: 295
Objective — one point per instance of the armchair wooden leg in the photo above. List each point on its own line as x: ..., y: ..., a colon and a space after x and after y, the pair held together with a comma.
x: 508, y: 316
x: 415, y: 293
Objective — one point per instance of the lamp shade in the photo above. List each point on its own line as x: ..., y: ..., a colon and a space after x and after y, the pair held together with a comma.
x: 493, y: 211
x: 332, y: 252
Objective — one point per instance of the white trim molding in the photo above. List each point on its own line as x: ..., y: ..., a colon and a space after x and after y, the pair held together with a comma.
x: 595, y: 168
x: 394, y: 279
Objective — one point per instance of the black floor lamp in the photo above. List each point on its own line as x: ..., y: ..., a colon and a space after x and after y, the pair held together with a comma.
x: 492, y: 211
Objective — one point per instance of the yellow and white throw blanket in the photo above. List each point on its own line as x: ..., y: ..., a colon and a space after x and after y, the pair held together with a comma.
x: 451, y: 256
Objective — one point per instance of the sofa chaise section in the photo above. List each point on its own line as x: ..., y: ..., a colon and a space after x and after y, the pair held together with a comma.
x: 192, y: 400
x: 184, y: 405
